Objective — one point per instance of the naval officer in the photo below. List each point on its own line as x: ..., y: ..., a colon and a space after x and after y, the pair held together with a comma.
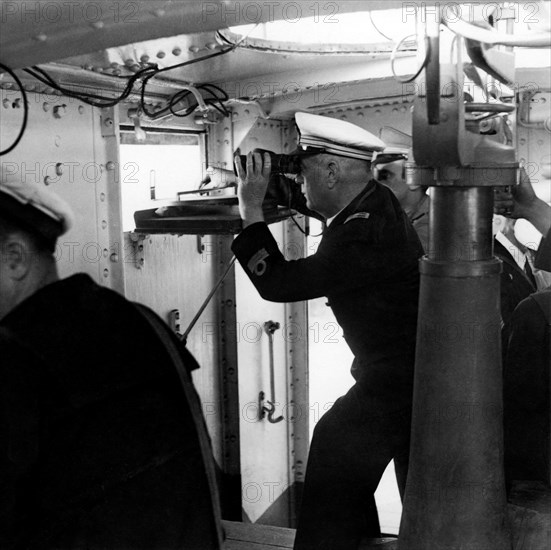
x: 366, y: 265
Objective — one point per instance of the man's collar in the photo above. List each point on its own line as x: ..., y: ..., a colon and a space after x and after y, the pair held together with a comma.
x: 367, y: 190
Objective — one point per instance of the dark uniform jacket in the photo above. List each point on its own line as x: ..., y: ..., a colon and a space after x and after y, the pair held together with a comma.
x: 367, y: 266
x: 543, y: 256
x: 98, y: 447
x: 526, y: 389
x: 515, y: 285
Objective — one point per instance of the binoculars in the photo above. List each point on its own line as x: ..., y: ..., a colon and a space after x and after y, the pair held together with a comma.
x: 281, y: 164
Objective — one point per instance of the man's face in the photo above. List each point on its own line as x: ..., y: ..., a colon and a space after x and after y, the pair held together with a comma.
x: 391, y: 175
x: 311, y: 182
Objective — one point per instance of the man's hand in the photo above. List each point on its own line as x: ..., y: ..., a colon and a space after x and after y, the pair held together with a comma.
x: 252, y: 186
x: 522, y: 202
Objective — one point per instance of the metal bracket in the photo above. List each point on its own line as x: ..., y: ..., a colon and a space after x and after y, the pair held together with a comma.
x: 174, y: 321
x: 200, y: 245
x: 137, y: 240
x: 268, y: 409
x: 109, y: 122
x: 134, y: 116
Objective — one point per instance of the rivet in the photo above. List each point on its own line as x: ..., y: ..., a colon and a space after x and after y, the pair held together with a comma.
x: 41, y: 37
x: 57, y: 141
x: 159, y: 12
x: 104, y: 224
x: 60, y: 111
x: 89, y: 67
x: 81, y: 109
x: 144, y: 58
x: 102, y: 197
x: 106, y: 273
x: 161, y: 55
x: 114, y: 65
x: 193, y: 49
x: 129, y: 62
x: 135, y: 68
x: 176, y: 51
x: 59, y: 168
x: 522, y: 141
x: 378, y: 112
x: 98, y: 24
x: 6, y: 103
x: 47, y: 180
x: 114, y: 257
x: 360, y: 114
x: 212, y: 45
x: 108, y: 122
x: 110, y: 165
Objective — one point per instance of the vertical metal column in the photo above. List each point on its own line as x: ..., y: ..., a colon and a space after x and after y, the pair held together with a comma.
x: 455, y: 497
x: 455, y: 494
x: 229, y: 399
x: 296, y: 341
x: 108, y: 198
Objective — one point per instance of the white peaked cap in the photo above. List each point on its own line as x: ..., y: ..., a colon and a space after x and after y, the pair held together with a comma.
x: 35, y: 207
x: 334, y: 136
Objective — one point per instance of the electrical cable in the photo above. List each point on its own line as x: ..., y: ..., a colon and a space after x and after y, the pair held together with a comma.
x: 87, y: 97
x: 214, y: 101
x: 25, y: 110
x: 145, y: 74
x: 423, y: 65
x: 168, y: 109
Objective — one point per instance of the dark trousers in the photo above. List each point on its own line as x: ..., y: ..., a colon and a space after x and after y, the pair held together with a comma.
x: 351, y: 447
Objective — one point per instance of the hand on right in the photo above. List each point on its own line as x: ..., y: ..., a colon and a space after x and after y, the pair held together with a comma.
x: 522, y: 202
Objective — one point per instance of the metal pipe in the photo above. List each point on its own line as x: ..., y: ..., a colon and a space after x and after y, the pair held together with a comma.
x: 455, y: 494
x: 461, y: 227
x: 207, y: 300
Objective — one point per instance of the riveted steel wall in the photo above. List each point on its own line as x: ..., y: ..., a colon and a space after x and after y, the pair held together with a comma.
x: 65, y: 149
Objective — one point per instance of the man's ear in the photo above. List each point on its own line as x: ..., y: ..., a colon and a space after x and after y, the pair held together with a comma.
x: 17, y: 256
x: 333, y: 174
